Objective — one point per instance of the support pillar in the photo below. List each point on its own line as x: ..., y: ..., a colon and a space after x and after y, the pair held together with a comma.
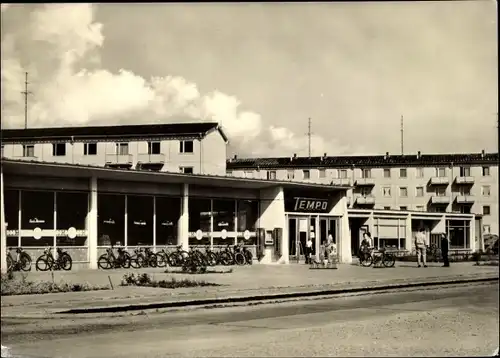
x: 409, y: 234
x: 183, y: 225
x: 3, y: 233
x: 92, y: 224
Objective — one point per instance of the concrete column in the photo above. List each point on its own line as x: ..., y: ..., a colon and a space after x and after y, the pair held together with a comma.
x: 92, y: 224
x: 285, y: 244
x: 409, y: 234
x: 344, y: 238
x: 3, y: 233
x: 183, y: 225
x: 472, y: 236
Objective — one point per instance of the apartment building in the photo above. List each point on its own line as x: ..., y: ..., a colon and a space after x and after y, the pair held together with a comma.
x: 447, y: 183
x: 198, y: 148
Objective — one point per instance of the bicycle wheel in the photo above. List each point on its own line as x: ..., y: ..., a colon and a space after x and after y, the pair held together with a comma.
x: 10, y: 263
x: 225, y: 259
x: 161, y: 259
x: 65, y: 262
x: 388, y: 260
x: 240, y: 259
x: 152, y: 260
x: 136, y: 262
x: 367, y: 261
x: 103, y: 262
x: 212, y: 259
x: 125, y: 261
x: 44, y: 263
x: 25, y: 262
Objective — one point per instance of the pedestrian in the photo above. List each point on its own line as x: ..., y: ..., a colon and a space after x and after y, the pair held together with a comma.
x: 420, y: 246
x: 308, y: 252
x: 445, y: 246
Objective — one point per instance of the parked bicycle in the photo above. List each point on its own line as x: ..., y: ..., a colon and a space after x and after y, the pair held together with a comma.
x: 47, y: 262
x: 177, y: 257
x: 376, y: 257
x: 143, y: 258
x: 22, y: 262
x: 108, y: 260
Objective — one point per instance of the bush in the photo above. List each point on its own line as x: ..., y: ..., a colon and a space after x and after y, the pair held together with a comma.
x: 11, y: 286
x: 144, y: 280
x: 201, y: 272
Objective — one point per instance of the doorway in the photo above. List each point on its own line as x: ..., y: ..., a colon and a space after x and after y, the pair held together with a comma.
x: 297, y: 237
x: 357, y: 227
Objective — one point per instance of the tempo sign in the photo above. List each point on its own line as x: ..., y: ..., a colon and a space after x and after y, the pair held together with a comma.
x: 311, y: 205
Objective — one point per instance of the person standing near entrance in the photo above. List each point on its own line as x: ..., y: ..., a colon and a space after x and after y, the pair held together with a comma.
x: 421, y: 247
x: 308, y: 252
x: 445, y: 245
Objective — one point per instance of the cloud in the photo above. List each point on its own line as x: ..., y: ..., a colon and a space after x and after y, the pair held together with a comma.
x: 69, y: 87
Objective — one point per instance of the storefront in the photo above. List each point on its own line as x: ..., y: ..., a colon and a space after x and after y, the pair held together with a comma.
x: 87, y: 209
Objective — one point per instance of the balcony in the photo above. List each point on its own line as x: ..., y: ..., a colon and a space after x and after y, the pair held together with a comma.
x: 365, y: 200
x: 365, y: 182
x: 439, y: 181
x: 145, y: 158
x: 465, y: 199
x: 464, y: 180
x: 124, y: 160
x: 341, y: 181
x: 440, y: 200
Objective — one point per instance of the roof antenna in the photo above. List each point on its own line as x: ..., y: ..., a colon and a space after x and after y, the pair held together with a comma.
x: 402, y: 136
x: 309, y: 134
x: 26, y: 93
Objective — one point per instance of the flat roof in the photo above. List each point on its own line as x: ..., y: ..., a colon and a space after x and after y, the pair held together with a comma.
x: 51, y: 169
x: 416, y: 215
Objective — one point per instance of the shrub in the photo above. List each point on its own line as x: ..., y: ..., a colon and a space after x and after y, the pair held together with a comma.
x: 144, y: 280
x: 11, y: 286
x: 201, y: 272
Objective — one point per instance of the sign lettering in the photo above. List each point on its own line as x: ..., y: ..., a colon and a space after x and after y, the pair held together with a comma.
x: 311, y: 205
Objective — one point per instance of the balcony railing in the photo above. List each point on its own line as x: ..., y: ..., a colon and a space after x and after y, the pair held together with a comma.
x: 465, y: 199
x: 119, y: 159
x: 365, y: 200
x: 464, y: 180
x: 439, y: 181
x: 145, y: 158
x: 436, y: 199
x: 341, y: 181
x: 365, y: 181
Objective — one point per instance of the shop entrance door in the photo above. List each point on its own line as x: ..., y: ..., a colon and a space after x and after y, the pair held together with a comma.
x: 297, y: 237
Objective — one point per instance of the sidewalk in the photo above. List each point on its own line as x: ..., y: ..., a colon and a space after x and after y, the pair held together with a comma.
x: 243, y: 281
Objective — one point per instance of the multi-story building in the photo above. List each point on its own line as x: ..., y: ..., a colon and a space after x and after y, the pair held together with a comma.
x: 447, y: 183
x: 198, y: 148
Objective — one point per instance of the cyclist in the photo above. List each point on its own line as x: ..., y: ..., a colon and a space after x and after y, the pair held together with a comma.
x: 366, y: 247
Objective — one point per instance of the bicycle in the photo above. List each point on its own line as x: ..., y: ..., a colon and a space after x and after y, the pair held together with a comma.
x: 63, y: 261
x: 178, y: 256
x: 21, y: 263
x: 387, y: 259
x: 143, y: 258
x: 109, y: 260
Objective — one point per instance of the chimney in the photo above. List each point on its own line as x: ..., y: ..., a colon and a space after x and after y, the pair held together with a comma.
x: 386, y: 155
x: 418, y: 155
x: 294, y: 155
x: 235, y: 157
x: 482, y: 153
x: 324, y: 155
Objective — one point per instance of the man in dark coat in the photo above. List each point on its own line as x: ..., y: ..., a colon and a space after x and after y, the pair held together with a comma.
x: 445, y: 246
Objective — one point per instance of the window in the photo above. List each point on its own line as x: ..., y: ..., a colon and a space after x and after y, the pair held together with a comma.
x: 71, y: 211
x: 465, y: 190
x: 486, y: 210
x: 307, y: 174
x: 343, y: 174
x: 441, y: 191
x: 403, y: 192
x: 40, y: 215
x: 465, y: 209
x: 110, y: 219
x: 403, y: 208
x: 223, y: 218
x: 441, y: 172
x: 187, y: 170
x: 167, y: 217
x: 200, y: 219
x: 486, y: 171
x: 486, y: 190
x: 59, y: 149
x: 290, y: 174
x: 153, y: 147
x: 248, y: 174
x: 186, y: 146
x: 366, y: 191
x: 465, y: 171
x: 420, y: 208
x: 402, y: 173
x: 11, y: 207
x: 139, y: 220
x: 322, y: 173
x: 420, y: 191
x: 271, y: 175
x: 387, y: 173
x: 486, y: 229
x: 420, y: 172
x: 387, y: 191
x: 366, y: 173
x: 387, y: 208
x: 2, y: 150
x: 248, y: 217
x: 122, y: 148
x: 229, y: 173
x: 89, y: 148
x: 28, y: 151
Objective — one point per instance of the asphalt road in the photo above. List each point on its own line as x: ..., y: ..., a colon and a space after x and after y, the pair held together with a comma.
x: 447, y: 321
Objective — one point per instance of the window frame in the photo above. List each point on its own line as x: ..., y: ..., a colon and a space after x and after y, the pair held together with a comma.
x: 416, y: 192
x: 187, y: 170
x: 86, y: 148
x: 488, y: 211
x: 26, y: 148
x: 151, y: 147
x: 401, y: 188
x: 182, y: 146
x: 306, y: 173
x: 56, y: 150
x: 401, y: 171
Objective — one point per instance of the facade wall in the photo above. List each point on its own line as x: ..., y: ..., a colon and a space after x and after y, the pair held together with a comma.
x: 208, y: 156
x: 413, y: 192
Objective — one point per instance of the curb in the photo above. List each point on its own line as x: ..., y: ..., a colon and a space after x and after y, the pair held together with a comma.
x: 256, y: 298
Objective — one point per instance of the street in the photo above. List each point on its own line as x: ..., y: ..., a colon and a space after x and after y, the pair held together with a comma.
x: 444, y: 321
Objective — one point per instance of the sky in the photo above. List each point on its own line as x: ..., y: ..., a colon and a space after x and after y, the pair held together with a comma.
x: 261, y: 70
